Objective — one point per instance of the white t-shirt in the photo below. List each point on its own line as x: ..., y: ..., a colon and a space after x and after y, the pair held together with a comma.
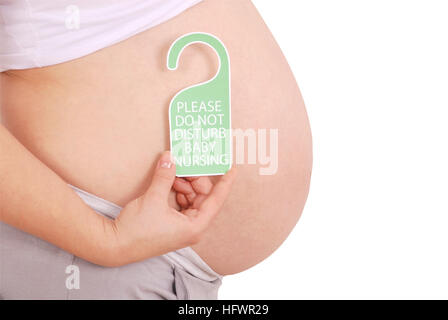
x: 38, y: 33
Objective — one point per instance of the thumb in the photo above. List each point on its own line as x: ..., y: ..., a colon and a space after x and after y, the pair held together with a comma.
x: 163, y: 177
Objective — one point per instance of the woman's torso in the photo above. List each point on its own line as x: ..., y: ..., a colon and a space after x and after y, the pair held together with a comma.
x: 101, y: 121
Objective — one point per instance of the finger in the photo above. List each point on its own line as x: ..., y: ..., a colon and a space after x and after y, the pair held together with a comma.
x: 182, y: 200
x: 190, y: 197
x: 191, y: 213
x: 202, y: 185
x: 183, y: 186
x: 198, y: 201
x: 213, y: 203
x: 163, y: 177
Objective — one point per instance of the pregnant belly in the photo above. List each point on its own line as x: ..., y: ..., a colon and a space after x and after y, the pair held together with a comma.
x: 101, y: 121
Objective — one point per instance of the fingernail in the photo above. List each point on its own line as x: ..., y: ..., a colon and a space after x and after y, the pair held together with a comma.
x: 165, y: 161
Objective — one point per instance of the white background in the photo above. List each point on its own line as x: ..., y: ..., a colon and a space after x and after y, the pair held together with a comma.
x: 374, y: 76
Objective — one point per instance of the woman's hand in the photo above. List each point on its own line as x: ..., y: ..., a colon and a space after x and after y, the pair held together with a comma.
x: 192, y: 191
x: 148, y: 226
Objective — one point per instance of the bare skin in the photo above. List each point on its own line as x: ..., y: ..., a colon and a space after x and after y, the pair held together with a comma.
x: 99, y: 121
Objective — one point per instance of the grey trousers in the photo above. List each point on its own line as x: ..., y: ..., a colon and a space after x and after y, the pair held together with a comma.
x: 31, y: 268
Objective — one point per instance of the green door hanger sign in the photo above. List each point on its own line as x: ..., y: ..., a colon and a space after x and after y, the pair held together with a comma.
x: 200, y: 115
